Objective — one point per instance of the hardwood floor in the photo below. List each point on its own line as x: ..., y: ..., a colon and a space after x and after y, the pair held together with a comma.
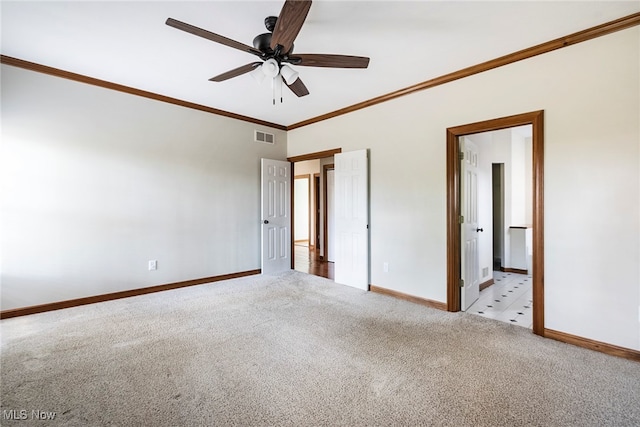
x: 307, y: 261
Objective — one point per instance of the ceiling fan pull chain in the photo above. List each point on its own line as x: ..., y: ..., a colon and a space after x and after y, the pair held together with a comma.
x: 276, y: 88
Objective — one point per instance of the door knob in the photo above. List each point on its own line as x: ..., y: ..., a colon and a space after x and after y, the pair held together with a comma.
x: 479, y: 229
x: 266, y: 221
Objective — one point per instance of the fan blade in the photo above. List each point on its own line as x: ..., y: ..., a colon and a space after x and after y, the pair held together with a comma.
x: 235, y: 72
x: 298, y: 88
x: 327, y: 60
x: 289, y: 23
x: 211, y: 36
x: 333, y: 61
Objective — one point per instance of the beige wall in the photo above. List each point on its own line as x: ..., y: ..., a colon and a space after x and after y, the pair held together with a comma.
x: 95, y: 183
x: 591, y: 96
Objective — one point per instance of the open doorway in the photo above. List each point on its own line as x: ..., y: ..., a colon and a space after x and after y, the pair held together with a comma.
x: 456, y: 223
x: 351, y: 215
x: 302, y: 224
x: 312, y: 256
x: 309, y: 229
x: 495, y: 193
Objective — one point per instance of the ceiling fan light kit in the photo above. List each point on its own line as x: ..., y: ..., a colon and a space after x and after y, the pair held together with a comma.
x: 258, y: 74
x: 270, y: 68
x: 289, y: 74
x: 275, y: 48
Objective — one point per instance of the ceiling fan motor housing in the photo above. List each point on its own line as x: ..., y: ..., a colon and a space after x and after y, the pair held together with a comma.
x: 262, y: 42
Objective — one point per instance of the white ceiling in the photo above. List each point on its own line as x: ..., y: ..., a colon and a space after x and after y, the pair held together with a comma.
x: 127, y: 42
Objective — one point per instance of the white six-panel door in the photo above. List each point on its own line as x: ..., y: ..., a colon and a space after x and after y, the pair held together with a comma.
x: 470, y: 255
x: 351, y: 219
x: 276, y: 216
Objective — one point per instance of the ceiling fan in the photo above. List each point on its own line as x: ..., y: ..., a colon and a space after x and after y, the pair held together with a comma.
x: 275, y: 49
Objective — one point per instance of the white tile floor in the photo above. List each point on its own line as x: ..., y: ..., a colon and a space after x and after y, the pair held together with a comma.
x: 508, y: 300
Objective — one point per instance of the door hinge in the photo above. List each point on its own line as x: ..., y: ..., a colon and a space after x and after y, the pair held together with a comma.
x: 461, y: 155
x: 461, y: 219
x: 462, y: 283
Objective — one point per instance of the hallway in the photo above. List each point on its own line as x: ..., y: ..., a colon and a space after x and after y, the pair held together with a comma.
x: 306, y: 261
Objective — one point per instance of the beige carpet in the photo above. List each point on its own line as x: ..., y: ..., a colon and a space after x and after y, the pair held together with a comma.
x: 298, y: 350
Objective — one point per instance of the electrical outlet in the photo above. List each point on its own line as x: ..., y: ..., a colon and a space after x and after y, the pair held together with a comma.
x: 153, y: 265
x: 385, y: 267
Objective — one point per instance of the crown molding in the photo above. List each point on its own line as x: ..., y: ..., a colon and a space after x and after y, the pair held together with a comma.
x: 32, y: 66
x: 559, y: 43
